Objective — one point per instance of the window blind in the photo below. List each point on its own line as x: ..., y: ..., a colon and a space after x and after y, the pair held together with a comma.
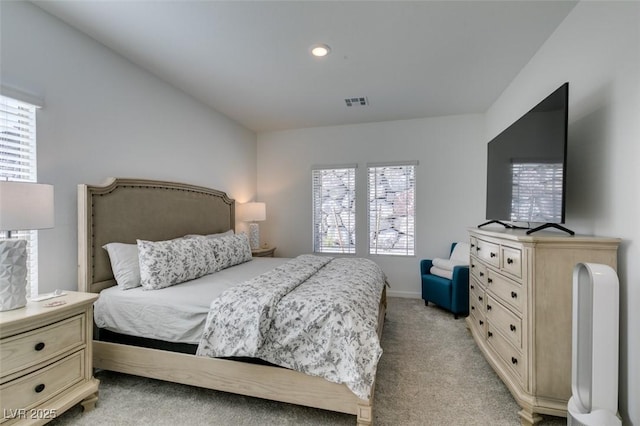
x: 18, y: 163
x: 391, y: 193
x: 334, y: 210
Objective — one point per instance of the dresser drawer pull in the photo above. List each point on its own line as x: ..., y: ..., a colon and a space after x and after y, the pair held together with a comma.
x: 509, y: 260
x: 39, y: 388
x: 514, y: 360
x: 512, y: 327
x: 39, y: 346
x: 492, y: 254
x: 489, y: 334
x: 514, y: 295
x: 488, y: 307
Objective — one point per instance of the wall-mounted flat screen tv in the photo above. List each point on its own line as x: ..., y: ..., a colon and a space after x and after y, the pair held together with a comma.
x: 527, y: 165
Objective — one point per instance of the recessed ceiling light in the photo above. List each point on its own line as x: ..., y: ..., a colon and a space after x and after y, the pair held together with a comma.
x: 320, y: 50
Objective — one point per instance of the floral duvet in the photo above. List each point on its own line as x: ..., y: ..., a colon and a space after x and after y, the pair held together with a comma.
x: 313, y: 314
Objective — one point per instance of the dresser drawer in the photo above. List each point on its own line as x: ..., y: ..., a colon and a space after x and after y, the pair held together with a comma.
x: 510, y: 356
x: 505, y: 321
x: 37, y: 387
x: 489, y: 253
x: 479, y: 323
x: 511, y: 261
x: 478, y: 270
x: 28, y: 349
x: 476, y: 297
x: 510, y: 292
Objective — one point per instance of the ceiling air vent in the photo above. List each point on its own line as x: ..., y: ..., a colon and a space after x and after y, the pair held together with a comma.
x: 356, y: 101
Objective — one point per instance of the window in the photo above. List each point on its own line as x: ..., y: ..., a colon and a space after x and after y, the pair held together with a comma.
x: 18, y: 163
x: 392, y: 208
x: 334, y: 209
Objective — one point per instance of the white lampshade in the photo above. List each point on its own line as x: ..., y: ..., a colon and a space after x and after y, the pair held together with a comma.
x: 252, y: 212
x: 25, y: 206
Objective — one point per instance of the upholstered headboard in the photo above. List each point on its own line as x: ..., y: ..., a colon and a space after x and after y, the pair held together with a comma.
x: 124, y: 210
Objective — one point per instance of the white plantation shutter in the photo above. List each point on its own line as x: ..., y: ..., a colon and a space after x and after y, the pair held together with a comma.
x: 391, y: 206
x: 18, y: 163
x: 334, y: 209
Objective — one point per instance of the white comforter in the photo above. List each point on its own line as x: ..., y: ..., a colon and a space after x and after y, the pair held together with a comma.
x: 313, y: 314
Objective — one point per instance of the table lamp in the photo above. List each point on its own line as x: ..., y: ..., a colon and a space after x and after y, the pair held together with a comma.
x: 253, y: 212
x: 23, y: 206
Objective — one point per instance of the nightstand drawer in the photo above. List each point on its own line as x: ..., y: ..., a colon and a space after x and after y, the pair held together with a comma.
x: 27, y: 349
x: 35, y: 388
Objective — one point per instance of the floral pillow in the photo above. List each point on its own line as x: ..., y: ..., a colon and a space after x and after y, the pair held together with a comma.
x: 166, y: 263
x: 231, y: 250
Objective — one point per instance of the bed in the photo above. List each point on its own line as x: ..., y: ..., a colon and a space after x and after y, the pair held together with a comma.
x: 124, y: 210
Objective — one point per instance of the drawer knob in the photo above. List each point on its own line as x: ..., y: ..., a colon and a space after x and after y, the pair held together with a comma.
x: 488, y: 307
x: 509, y: 260
x: 512, y: 327
x: 489, y: 334
x: 39, y: 388
x: 514, y: 360
x: 492, y: 254
x: 514, y: 295
x: 39, y: 346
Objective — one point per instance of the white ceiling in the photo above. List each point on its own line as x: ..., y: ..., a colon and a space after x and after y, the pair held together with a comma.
x: 250, y: 59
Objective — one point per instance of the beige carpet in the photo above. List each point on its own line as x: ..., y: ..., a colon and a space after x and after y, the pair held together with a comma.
x: 431, y: 373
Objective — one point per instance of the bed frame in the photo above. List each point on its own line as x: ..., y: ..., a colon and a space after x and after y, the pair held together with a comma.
x: 123, y: 210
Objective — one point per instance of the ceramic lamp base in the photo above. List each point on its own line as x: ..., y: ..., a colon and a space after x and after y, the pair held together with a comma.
x: 13, y: 274
x: 254, y: 236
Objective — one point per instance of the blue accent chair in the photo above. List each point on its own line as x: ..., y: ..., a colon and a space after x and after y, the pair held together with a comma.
x: 452, y: 294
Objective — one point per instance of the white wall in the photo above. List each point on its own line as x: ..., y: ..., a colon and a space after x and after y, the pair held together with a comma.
x: 597, y: 49
x: 104, y: 116
x: 450, y: 198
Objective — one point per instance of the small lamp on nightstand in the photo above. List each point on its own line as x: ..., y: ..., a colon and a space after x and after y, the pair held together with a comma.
x: 23, y: 206
x: 253, y: 212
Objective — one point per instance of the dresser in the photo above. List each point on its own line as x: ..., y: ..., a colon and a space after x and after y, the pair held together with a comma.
x: 520, y: 302
x: 46, y: 360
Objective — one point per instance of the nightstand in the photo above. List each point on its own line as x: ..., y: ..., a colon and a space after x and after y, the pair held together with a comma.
x: 46, y: 364
x: 263, y: 252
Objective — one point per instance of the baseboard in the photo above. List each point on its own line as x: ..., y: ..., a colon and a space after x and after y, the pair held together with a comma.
x: 405, y: 294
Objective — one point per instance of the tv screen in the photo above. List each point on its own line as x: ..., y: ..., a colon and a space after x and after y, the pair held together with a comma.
x: 526, y: 165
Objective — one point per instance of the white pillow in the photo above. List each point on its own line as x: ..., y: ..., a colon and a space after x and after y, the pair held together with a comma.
x: 165, y: 263
x: 460, y: 253
x: 231, y: 250
x: 124, y: 264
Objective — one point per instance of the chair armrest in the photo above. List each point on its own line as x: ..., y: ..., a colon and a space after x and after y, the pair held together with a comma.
x: 425, y: 266
x: 460, y: 286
